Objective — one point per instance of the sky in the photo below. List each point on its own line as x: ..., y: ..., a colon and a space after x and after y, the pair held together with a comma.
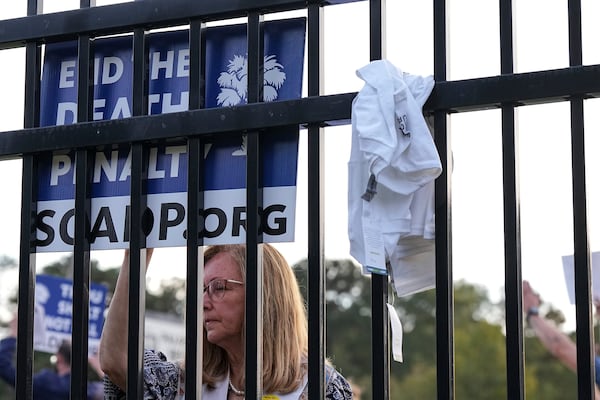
x: 473, y: 43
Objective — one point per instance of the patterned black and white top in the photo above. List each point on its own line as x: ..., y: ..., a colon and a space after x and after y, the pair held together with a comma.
x: 163, y: 380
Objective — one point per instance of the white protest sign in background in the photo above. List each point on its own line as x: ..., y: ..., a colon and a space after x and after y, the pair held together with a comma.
x: 569, y: 270
x: 224, y: 169
x: 165, y: 332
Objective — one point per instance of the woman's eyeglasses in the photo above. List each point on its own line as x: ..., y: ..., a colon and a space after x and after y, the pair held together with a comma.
x: 217, y: 287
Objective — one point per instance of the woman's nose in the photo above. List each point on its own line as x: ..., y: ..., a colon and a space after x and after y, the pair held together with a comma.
x: 206, y: 301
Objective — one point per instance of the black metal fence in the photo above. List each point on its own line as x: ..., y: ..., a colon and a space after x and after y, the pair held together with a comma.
x: 505, y: 91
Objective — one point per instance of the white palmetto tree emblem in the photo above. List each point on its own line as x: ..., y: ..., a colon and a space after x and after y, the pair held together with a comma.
x: 234, y: 85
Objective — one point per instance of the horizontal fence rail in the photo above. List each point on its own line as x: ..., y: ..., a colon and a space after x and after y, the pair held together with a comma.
x: 121, y: 18
x: 451, y: 96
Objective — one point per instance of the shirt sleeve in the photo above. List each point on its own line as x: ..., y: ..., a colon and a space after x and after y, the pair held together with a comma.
x: 161, y: 379
x: 338, y: 387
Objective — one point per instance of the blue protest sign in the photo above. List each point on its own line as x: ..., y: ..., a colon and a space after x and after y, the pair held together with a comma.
x: 225, y: 158
x: 54, y: 312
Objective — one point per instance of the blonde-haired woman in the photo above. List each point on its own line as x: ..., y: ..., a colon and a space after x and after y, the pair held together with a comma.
x: 285, y: 336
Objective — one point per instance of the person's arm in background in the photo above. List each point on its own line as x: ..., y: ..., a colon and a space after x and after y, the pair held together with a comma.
x: 554, y: 340
x: 8, y: 347
x: 113, y: 343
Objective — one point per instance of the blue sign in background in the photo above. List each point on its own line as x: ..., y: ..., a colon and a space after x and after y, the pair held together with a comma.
x: 226, y: 50
x: 58, y: 298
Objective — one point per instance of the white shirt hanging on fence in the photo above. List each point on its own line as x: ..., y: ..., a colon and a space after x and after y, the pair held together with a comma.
x: 393, y: 164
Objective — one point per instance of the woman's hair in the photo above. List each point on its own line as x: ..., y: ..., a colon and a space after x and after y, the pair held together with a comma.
x: 285, y: 332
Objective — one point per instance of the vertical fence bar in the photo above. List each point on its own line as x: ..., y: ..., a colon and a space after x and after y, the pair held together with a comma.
x: 24, y: 361
x: 253, y: 203
x: 317, y: 322
x: 583, y: 312
x: 195, y: 272
x: 379, y: 283
x: 137, y: 267
x: 27, y: 258
x: 81, y: 276
x: 27, y: 267
x: 137, y: 243
x: 512, y: 223
x: 197, y: 65
x: 575, y: 35
x: 195, y: 201
x: 81, y: 246
x: 443, y: 221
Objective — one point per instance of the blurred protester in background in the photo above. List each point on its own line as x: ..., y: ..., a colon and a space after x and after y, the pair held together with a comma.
x: 552, y: 338
x: 48, y: 384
